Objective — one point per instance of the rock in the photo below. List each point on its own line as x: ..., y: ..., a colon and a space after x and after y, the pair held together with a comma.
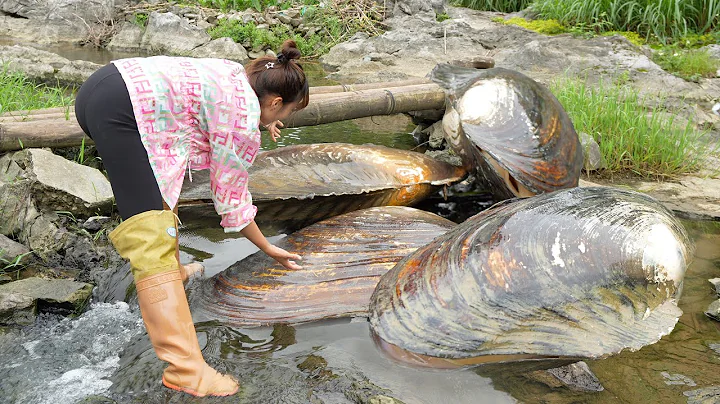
x: 713, y: 311
x: 591, y: 150
x: 17, y: 309
x: 63, y: 185
x: 169, y: 33
x: 413, y: 7
x: 127, y: 39
x: 53, y: 21
x: 445, y: 155
x: 10, y: 250
x: 577, y: 376
x: 222, y: 48
x: 34, y: 185
x: 77, y: 71
x: 716, y: 284
x: 62, y: 296
x: 677, y: 379
x: 712, y: 50
x: 255, y: 55
x: 436, y: 135
x: 95, y: 223
x: 707, y: 395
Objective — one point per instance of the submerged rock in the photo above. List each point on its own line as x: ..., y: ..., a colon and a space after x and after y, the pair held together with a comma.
x: 20, y: 301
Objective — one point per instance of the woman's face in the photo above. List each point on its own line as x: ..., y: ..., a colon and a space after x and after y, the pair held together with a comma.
x: 273, y: 109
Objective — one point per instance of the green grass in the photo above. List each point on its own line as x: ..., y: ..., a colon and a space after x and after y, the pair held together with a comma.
x: 690, y: 64
x: 17, y: 93
x: 616, y: 116
x: 503, y: 6
x: 661, y: 20
x: 332, y: 28
x: 547, y: 27
x: 258, y: 5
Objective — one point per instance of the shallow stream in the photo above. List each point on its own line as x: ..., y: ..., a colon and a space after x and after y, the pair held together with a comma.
x: 104, y: 354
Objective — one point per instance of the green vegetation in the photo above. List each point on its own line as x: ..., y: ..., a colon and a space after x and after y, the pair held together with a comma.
x: 503, y: 6
x: 632, y: 136
x: 690, y: 64
x: 18, y: 93
x: 661, y: 20
x: 548, y: 27
x: 141, y: 19
x: 442, y: 17
x: 258, y: 5
x: 329, y: 25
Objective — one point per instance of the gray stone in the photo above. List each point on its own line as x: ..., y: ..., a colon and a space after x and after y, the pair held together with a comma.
x: 77, y: 71
x: 676, y: 379
x: 10, y: 250
x: 95, y: 223
x: 17, y: 309
x: 222, y: 48
x: 713, y: 311
x: 413, y: 7
x: 577, y: 376
x: 61, y: 296
x: 256, y: 54
x: 63, y: 185
x: 707, y: 395
x: 716, y: 284
x: 713, y: 50
x: 127, y: 39
x: 169, y: 33
x: 591, y: 150
x: 436, y: 135
x: 51, y: 21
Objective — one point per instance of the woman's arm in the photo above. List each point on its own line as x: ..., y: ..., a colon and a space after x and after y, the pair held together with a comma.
x: 253, y: 233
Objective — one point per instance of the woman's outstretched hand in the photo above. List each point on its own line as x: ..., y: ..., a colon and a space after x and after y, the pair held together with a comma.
x: 274, y: 129
x: 283, y: 257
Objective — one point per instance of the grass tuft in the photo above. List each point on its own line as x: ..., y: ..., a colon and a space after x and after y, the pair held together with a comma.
x: 18, y: 93
x: 632, y: 136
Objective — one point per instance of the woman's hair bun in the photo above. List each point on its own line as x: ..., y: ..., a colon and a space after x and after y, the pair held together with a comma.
x: 289, y: 51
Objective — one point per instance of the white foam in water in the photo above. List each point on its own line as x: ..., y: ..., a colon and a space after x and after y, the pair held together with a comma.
x: 63, y: 361
x: 76, y: 384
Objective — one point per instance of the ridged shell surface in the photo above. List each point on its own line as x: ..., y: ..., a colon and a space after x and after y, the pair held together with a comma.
x: 343, y: 259
x: 582, y: 273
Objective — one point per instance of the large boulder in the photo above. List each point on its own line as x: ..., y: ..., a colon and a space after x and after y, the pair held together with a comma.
x: 52, y: 21
x: 222, y: 48
x: 35, y: 185
x: 127, y: 39
x: 170, y: 33
x: 413, y: 7
x: 21, y: 300
x: 45, y: 66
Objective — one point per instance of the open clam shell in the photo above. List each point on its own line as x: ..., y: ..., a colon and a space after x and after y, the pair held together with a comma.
x: 511, y: 129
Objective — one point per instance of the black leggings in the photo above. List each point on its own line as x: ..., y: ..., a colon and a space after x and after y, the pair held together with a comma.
x: 104, y: 112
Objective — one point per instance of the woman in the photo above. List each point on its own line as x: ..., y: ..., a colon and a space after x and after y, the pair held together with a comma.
x: 154, y: 118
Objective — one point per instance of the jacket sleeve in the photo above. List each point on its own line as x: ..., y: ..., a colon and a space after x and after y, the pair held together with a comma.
x: 232, y: 155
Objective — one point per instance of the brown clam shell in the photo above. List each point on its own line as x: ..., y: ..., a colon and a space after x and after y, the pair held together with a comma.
x: 295, y: 186
x: 511, y: 129
x: 577, y: 273
x: 343, y: 259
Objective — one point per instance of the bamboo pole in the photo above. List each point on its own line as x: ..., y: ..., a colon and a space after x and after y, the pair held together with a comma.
x: 57, y: 127
x: 368, y: 86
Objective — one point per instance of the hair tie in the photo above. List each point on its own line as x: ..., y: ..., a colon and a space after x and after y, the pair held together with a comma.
x: 281, y: 58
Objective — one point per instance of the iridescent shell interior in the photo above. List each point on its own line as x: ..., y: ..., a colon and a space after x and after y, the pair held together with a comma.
x: 511, y: 129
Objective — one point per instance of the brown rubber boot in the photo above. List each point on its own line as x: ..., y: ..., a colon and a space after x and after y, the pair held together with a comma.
x: 167, y: 318
x: 148, y: 240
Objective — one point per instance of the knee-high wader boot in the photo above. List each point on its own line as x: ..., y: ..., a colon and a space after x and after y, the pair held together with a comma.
x: 148, y: 241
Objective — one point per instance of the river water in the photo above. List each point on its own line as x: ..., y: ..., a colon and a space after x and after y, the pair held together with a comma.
x: 104, y: 354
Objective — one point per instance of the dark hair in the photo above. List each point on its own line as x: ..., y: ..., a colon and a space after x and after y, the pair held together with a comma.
x: 280, y: 75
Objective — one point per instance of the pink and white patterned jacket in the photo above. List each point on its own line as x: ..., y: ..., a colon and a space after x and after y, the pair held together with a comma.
x: 196, y: 114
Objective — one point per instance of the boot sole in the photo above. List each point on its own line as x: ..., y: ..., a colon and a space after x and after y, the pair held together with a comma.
x: 195, y: 393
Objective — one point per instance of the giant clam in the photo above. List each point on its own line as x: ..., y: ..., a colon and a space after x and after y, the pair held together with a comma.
x: 295, y: 186
x: 511, y: 129
x: 577, y: 273
x: 343, y: 259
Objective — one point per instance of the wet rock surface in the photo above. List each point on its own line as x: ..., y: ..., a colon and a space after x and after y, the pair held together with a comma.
x: 21, y: 300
